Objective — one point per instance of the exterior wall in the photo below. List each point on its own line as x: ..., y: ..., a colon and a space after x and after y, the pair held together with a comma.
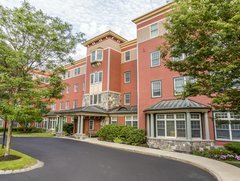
x: 179, y: 145
x: 71, y: 96
x: 115, y: 71
x: 129, y: 66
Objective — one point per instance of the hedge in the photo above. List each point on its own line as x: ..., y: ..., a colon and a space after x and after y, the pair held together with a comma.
x: 234, y: 147
x: 122, y: 134
x: 68, y: 128
x: 26, y: 129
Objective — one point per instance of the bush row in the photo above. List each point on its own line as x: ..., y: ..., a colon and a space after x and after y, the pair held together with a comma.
x: 234, y: 147
x: 26, y: 129
x: 122, y: 134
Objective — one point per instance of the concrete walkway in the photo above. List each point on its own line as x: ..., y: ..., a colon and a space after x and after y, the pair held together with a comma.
x: 222, y: 171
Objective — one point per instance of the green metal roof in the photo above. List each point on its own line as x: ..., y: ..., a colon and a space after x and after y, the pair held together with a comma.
x: 176, y: 104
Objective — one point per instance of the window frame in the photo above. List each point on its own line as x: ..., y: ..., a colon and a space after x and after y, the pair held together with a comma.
x: 131, y: 120
x: 151, y: 58
x: 96, y: 55
x: 76, y: 86
x: 75, y: 104
x: 228, y: 119
x: 124, y: 98
x: 125, y: 77
x: 127, y: 56
x: 151, y: 31
x: 114, y: 119
x: 93, y: 78
x: 160, y: 81
x: 89, y: 124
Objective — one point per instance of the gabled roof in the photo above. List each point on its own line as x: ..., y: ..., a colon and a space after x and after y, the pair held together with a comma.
x: 108, y: 33
x: 176, y: 104
x: 124, y: 110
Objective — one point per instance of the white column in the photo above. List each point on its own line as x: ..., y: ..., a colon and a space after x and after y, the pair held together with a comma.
x: 189, y: 132
x: 81, y: 130
x: 78, y: 125
x: 148, y: 128
x: 207, y: 137
x: 58, y: 124
x: 47, y: 122
x: 152, y: 125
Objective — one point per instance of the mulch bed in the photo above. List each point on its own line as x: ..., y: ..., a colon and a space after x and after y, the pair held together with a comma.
x: 9, y: 158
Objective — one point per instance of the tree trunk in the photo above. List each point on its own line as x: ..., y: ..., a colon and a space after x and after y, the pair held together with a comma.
x: 9, y: 136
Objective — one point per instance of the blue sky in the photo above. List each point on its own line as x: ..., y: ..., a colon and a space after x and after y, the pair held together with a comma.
x: 93, y: 17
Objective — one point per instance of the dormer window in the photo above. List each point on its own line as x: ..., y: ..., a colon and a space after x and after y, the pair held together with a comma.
x: 97, y: 55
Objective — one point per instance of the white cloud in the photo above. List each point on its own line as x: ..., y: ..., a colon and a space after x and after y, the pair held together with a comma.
x: 93, y: 17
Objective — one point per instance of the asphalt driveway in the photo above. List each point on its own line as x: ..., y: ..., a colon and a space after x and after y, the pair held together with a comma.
x: 68, y: 160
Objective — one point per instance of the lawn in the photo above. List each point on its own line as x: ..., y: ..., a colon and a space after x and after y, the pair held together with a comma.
x: 22, y: 134
x: 24, y: 162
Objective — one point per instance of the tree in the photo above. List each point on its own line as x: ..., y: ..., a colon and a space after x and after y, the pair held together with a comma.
x: 31, y: 41
x: 207, y: 32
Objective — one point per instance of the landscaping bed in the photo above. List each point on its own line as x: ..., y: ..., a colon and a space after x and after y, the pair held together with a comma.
x: 15, y: 160
x: 230, y: 153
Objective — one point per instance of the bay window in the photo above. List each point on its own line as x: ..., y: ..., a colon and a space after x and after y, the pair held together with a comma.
x: 95, y: 99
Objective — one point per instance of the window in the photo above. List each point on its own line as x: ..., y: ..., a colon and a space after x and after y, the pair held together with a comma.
x: 67, y: 89
x: 227, y: 126
x: 154, y: 30
x: 68, y: 74
x: 61, y: 106
x: 127, y: 56
x: 75, y: 102
x: 91, y: 124
x: 127, y: 77
x: 127, y: 98
x: 131, y: 121
x: 155, y: 59
x: 95, y: 99
x: 52, y: 123
x: 53, y: 106
x: 114, y: 120
x: 171, y: 125
x: 180, y: 58
x: 180, y: 82
x: 67, y: 105
x: 96, y: 55
x: 77, y: 71
x: 156, y: 88
x: 96, y: 77
x: 76, y: 88
x: 196, y: 125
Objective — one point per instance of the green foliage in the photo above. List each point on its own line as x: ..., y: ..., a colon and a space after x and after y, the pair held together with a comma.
x: 208, y: 33
x: 31, y: 43
x: 68, y: 128
x: 234, y: 147
x: 26, y: 130
x: 122, y: 134
x: 212, y: 153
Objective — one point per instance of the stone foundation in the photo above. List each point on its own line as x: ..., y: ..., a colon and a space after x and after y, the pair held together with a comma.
x: 179, y: 145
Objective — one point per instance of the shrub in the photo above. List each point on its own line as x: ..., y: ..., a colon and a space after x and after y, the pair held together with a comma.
x: 219, y: 154
x: 68, y: 128
x: 122, y: 134
x: 26, y: 130
x: 234, y: 147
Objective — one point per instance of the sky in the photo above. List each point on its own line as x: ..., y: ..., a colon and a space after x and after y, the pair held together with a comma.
x: 94, y: 17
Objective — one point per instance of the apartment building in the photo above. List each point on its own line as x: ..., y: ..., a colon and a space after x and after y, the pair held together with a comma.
x: 126, y: 82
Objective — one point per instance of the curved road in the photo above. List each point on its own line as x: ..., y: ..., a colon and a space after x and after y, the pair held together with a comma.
x: 68, y: 160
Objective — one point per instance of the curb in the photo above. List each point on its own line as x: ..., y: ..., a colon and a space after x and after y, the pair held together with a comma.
x: 39, y: 164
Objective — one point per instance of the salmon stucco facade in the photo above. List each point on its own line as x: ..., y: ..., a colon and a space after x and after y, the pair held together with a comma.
x: 126, y: 82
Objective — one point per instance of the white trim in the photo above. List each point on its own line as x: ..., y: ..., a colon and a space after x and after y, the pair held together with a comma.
x: 94, y: 75
x: 152, y: 96
x: 151, y: 53
x: 124, y: 77
x: 108, y: 81
x: 127, y: 93
x: 95, y: 54
x: 132, y: 120
x: 138, y: 104
x: 163, y: 19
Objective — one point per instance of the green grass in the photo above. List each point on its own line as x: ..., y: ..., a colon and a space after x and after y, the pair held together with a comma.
x: 235, y: 162
x: 44, y: 134
x: 24, y: 162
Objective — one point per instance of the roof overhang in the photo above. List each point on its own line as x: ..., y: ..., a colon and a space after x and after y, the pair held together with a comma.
x: 108, y: 34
